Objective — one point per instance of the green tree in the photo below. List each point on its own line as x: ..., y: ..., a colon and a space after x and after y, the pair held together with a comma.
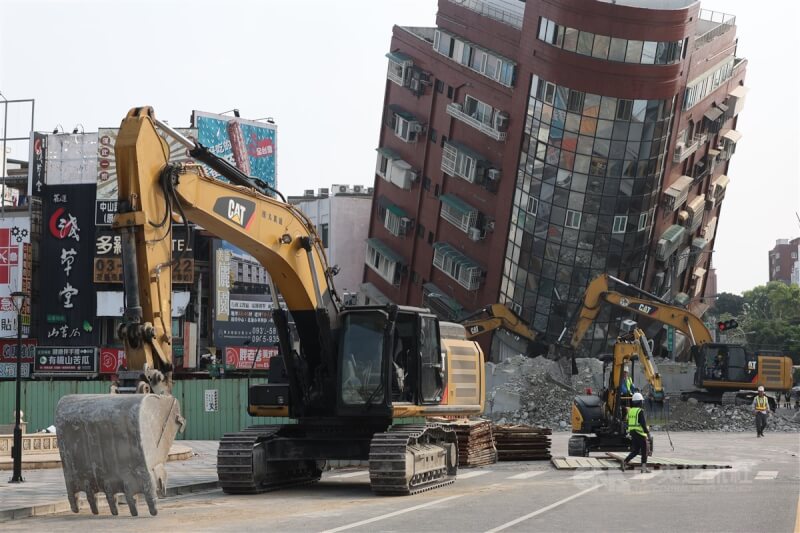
x: 726, y: 302
x: 770, y: 318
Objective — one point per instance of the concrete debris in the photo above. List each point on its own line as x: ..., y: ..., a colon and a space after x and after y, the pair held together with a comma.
x: 521, y: 390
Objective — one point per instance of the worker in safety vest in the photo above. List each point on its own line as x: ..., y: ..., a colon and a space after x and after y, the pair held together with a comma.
x: 626, y: 387
x: 761, y: 407
x: 637, y: 427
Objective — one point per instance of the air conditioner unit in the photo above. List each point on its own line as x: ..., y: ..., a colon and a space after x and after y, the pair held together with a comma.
x: 415, y: 84
x: 323, y: 191
x: 474, y: 234
x: 493, y: 174
x: 413, y: 175
x: 370, y: 190
x: 358, y: 189
x: 417, y: 127
x: 457, y: 107
x: 341, y: 188
x: 308, y: 192
x: 501, y: 121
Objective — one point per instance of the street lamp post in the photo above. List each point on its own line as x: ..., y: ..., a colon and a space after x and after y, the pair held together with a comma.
x: 19, y: 300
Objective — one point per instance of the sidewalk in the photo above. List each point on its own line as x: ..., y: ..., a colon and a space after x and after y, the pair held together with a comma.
x: 43, y: 491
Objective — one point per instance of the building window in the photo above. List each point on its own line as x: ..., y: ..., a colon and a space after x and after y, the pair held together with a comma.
x: 426, y: 183
x: 324, y: 235
x: 533, y: 205
x: 450, y: 91
x: 420, y: 231
x: 433, y: 136
x: 439, y: 86
x: 430, y: 237
x: 620, y: 222
x: 457, y: 161
x: 457, y: 266
x: 478, y: 110
x: 573, y: 219
x: 575, y: 101
x: 642, y: 221
x: 379, y: 261
x: 624, y: 108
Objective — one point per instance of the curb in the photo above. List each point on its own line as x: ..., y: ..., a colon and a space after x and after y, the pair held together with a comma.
x: 63, y: 506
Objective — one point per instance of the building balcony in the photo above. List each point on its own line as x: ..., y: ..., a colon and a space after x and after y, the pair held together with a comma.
x: 492, y: 10
x: 457, y: 266
x: 492, y: 128
x: 684, y: 150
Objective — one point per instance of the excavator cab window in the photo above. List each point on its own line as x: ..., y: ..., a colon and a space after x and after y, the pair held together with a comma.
x: 430, y: 351
x: 404, y: 369
x: 362, y: 359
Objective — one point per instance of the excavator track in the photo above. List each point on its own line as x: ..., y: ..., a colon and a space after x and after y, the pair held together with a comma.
x: 408, y: 459
x: 243, y: 468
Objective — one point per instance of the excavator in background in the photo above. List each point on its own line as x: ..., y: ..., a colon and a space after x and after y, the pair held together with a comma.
x: 355, y: 374
x: 499, y: 316
x: 724, y: 372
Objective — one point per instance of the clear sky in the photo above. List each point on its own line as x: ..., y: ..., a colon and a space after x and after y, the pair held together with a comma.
x: 318, y: 68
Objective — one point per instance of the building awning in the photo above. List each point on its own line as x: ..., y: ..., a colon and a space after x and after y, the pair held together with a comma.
x: 674, y: 233
x: 699, y: 272
x: 681, y: 184
x: 723, y: 107
x: 457, y: 257
x: 388, y: 152
x: 385, y: 251
x: 400, y: 57
x: 437, y: 296
x: 739, y: 92
x: 396, y: 210
x: 112, y: 303
x: 713, y: 153
x: 374, y: 295
x: 456, y: 203
x: 713, y: 114
x: 397, y: 110
x: 699, y: 243
x: 466, y: 150
x: 732, y: 135
x: 697, y: 205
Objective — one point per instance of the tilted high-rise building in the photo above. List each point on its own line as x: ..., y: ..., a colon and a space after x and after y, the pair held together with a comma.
x: 527, y: 147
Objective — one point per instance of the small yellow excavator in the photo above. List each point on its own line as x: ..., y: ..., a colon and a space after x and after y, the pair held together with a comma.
x: 597, y: 421
x: 354, y: 377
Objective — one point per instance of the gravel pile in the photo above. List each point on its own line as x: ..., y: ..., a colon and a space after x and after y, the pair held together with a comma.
x: 545, y: 395
x: 694, y: 416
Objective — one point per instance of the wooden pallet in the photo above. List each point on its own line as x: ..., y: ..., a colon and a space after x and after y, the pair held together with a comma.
x: 584, y: 463
x: 475, y: 441
x: 522, y: 443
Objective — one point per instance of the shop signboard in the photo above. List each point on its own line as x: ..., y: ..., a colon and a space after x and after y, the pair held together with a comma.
x: 111, y: 360
x: 108, y: 256
x: 57, y: 361
x: 249, y: 357
x: 15, y: 273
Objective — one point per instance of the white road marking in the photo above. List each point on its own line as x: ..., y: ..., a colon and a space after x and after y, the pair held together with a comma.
x: 390, y: 515
x: 351, y: 474
x: 707, y: 475
x: 527, y: 475
x: 586, y: 475
x: 651, y: 475
x: 543, y: 509
x: 766, y: 474
x: 474, y: 473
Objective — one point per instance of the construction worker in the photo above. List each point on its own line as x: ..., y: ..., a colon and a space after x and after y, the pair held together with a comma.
x: 626, y: 384
x: 761, y: 407
x: 637, y: 427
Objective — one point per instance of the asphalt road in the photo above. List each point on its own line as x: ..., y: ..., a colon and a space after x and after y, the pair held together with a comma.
x: 761, y: 493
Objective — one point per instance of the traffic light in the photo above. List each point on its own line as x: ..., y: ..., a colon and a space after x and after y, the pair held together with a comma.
x: 725, y: 325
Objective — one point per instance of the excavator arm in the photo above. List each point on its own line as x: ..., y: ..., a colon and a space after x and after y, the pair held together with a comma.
x: 648, y: 305
x: 493, y: 317
x: 119, y: 443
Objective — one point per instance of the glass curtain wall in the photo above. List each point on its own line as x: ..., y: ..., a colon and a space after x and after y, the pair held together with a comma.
x: 589, y: 178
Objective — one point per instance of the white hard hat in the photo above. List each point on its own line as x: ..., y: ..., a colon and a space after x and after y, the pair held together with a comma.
x: 637, y: 397
x: 761, y: 388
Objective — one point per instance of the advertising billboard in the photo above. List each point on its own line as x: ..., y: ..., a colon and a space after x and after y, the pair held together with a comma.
x: 67, y: 296
x: 8, y: 357
x: 249, y: 145
x: 106, y: 169
x: 242, y: 303
x: 55, y: 361
x: 249, y: 357
x: 15, y: 273
x: 38, y: 157
x: 71, y: 159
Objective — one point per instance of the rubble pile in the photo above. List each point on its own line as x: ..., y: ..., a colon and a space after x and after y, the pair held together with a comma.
x: 694, y: 416
x: 535, y: 392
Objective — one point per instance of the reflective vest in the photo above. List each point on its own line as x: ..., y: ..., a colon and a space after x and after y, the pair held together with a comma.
x: 633, y: 421
x: 762, y: 403
x: 629, y: 385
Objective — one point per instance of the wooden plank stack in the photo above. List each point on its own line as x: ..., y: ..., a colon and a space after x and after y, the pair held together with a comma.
x: 522, y: 443
x: 475, y: 442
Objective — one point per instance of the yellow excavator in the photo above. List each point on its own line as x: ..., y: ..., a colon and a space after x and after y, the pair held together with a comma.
x: 355, y: 375
x: 499, y: 316
x: 597, y: 421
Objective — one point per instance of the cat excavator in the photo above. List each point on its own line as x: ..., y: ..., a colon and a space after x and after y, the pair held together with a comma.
x: 499, y: 316
x: 597, y: 420
x: 355, y: 375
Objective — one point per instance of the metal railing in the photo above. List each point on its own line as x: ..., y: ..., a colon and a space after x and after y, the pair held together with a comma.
x: 456, y: 111
x: 723, y: 21
x: 682, y: 153
x: 487, y: 9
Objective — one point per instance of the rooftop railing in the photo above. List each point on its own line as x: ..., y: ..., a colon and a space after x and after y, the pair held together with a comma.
x: 723, y: 21
x: 491, y: 10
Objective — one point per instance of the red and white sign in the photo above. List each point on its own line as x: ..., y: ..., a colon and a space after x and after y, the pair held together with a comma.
x: 241, y: 357
x: 111, y: 359
x: 8, y: 350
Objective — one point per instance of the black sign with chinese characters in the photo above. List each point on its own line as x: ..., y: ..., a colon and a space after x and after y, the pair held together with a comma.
x: 65, y: 361
x: 67, y: 249
x: 104, y: 212
x: 38, y: 164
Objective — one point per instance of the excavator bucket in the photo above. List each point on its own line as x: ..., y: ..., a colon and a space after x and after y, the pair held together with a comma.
x: 116, y: 443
